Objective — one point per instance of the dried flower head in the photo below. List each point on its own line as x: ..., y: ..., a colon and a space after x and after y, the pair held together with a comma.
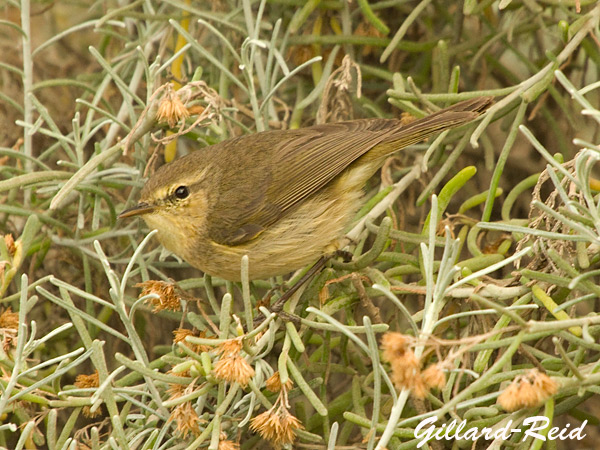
x: 9, y: 319
x: 277, y: 426
x: 405, y: 371
x: 225, y: 444
x: 434, y: 377
x: 508, y: 398
x: 234, y: 369
x: 175, y: 390
x: 9, y: 241
x: 186, y: 418
x: 418, y: 387
x: 87, y: 381
x: 406, y: 118
x: 289, y: 425
x: 87, y: 412
x: 230, y: 347
x: 267, y: 424
x: 232, y: 366
x: 81, y: 445
x: 273, y: 383
x: 180, y: 334
x: 544, y: 384
x: 394, y: 345
x: 171, y: 109
x: 8, y: 342
x: 527, y: 391
x: 406, y: 367
x: 169, y: 296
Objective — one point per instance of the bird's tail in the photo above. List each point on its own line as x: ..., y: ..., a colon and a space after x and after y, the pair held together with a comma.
x: 420, y: 129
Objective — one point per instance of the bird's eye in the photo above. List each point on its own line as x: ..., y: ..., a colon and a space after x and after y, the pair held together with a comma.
x: 182, y: 192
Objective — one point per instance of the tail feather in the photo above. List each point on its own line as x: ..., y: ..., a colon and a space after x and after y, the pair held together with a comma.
x: 414, y: 132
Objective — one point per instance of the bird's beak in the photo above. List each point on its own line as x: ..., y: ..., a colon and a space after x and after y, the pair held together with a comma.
x: 137, y: 210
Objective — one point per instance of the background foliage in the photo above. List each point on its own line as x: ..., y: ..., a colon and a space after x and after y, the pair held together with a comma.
x: 495, y: 274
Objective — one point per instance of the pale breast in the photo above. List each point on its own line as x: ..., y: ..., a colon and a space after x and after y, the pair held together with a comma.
x: 297, y: 239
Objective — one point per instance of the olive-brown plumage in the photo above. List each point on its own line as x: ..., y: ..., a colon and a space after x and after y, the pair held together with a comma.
x: 283, y: 198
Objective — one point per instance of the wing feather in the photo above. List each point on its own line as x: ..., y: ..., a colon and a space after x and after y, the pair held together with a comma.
x: 294, y: 165
x: 279, y: 169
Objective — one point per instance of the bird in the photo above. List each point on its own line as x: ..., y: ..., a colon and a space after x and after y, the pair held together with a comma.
x: 284, y: 198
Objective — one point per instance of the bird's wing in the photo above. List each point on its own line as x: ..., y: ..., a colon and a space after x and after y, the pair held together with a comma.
x: 285, y: 168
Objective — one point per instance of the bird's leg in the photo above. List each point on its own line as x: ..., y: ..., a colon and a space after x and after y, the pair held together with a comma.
x: 266, y: 299
x: 278, y: 305
x: 344, y: 254
x: 316, y: 268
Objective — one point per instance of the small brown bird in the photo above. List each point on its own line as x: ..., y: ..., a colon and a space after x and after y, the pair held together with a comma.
x: 284, y: 198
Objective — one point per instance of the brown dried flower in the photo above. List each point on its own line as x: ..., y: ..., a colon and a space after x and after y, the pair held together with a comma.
x: 434, y: 377
x: 406, y: 118
x: 171, y: 109
x: 234, y: 369
x: 8, y: 342
x: 273, y: 383
x: 508, y: 398
x: 527, y: 391
x: 9, y: 319
x: 186, y: 418
x: 168, y: 295
x: 181, y: 333
x: 87, y: 412
x: 405, y: 369
x: 225, y: 444
x: 394, y: 345
x: 418, y: 387
x: 544, y: 384
x: 87, y: 381
x: 175, y: 390
x: 405, y: 365
x: 9, y: 241
x: 276, y: 425
x: 289, y: 425
x: 267, y: 424
x: 230, y: 347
